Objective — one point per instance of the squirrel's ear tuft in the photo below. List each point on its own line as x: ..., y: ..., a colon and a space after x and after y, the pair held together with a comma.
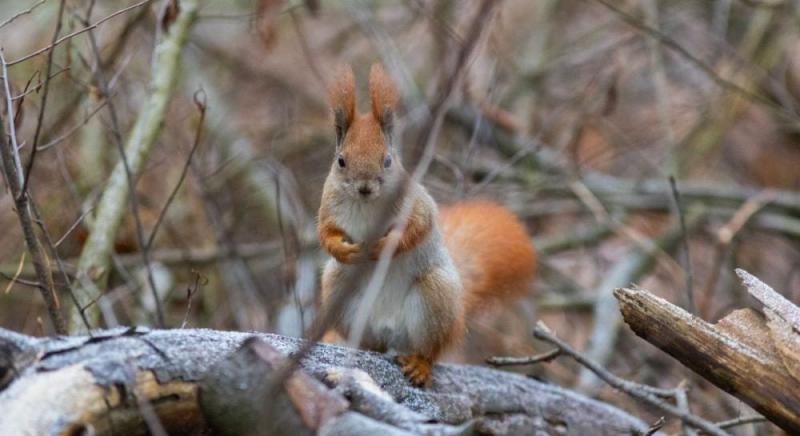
x: 342, y: 94
x: 384, y: 98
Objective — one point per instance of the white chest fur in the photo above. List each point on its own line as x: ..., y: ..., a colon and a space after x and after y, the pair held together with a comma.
x: 394, y: 315
x: 358, y: 219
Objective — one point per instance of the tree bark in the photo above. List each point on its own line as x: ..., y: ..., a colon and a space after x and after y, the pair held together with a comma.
x: 752, y: 356
x: 135, y: 381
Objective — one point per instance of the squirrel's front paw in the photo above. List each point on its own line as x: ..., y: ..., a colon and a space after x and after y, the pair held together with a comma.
x: 416, y: 368
x: 348, y: 252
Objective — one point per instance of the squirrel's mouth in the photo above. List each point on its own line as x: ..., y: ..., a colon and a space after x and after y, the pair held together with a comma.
x: 365, y: 197
x: 366, y: 191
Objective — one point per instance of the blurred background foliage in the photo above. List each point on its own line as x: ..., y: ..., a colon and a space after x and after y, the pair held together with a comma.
x: 574, y: 113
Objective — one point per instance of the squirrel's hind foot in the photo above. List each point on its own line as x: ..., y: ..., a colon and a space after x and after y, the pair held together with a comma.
x: 416, y: 368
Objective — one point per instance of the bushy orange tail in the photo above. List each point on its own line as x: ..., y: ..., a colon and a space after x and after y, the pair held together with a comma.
x: 491, y: 250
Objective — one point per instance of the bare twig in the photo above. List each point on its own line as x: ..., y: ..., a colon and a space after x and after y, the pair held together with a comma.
x: 682, y: 51
x: 35, y: 88
x: 78, y: 32
x: 645, y: 393
x: 191, y: 291
x: 134, y: 199
x: 742, y: 420
x: 21, y: 13
x: 43, y: 104
x: 73, y: 227
x: 452, y: 80
x: 511, y: 361
x: 93, y: 266
x: 578, y: 238
x: 725, y: 236
x: 200, y: 103
x: 234, y: 268
x: 660, y: 82
x: 74, y: 128
x: 9, y: 154
x: 682, y: 401
x: 656, y: 426
x: 62, y: 272
x: 607, y: 319
x: 14, y: 278
x: 676, y: 196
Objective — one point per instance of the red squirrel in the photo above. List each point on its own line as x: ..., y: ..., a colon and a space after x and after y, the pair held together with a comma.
x: 448, y: 264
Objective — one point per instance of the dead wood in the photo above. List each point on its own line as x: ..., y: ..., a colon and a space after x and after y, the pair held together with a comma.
x: 752, y: 355
x: 135, y: 381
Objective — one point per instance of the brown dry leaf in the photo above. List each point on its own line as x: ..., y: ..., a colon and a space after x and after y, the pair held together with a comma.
x: 787, y: 342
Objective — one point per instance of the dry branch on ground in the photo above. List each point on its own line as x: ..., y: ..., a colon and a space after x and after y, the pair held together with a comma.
x: 752, y: 355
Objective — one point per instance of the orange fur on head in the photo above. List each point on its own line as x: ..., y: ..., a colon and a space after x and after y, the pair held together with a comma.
x: 383, y: 95
x: 342, y: 94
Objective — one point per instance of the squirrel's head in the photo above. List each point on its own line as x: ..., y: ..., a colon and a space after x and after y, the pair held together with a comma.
x: 366, y: 161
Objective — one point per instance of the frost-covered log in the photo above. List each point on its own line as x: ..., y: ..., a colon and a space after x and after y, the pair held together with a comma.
x: 131, y: 381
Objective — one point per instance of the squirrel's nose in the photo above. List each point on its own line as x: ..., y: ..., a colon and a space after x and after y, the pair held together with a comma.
x: 364, y: 190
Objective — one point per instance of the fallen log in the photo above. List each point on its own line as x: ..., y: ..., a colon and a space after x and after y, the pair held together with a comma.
x: 140, y: 381
x: 753, y: 356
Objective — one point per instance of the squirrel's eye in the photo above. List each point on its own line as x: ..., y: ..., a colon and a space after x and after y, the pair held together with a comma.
x: 341, y: 162
x: 388, y: 161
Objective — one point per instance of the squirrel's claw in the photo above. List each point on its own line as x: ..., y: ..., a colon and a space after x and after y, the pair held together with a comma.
x: 416, y: 368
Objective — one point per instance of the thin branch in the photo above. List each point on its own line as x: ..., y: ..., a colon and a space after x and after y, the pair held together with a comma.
x: 674, y: 46
x: 726, y: 235
x: 629, y: 269
x: 9, y: 154
x: 454, y: 78
x: 62, y: 271
x: 513, y: 361
x: 15, y: 279
x: 134, y: 199
x: 201, y: 107
x: 191, y: 291
x: 742, y: 420
x: 77, y: 32
x: 682, y: 401
x: 35, y: 88
x: 74, y: 128
x: 93, y: 266
x: 21, y: 13
x: 676, y: 196
x: 43, y: 104
x: 12, y: 125
x: 73, y: 226
x: 641, y: 392
x: 12, y: 279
